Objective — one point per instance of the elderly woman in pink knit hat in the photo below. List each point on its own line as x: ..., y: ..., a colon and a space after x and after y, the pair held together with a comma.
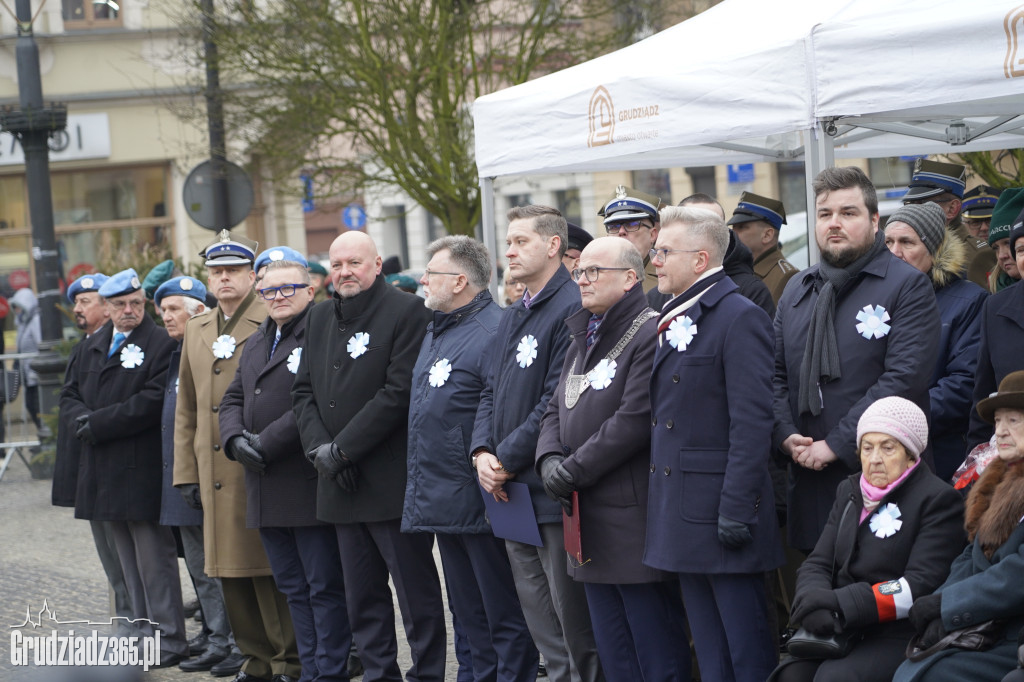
x: 891, y: 536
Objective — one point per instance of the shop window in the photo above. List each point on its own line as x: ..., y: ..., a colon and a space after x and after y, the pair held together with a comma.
x: 568, y: 202
x: 655, y: 182
x: 89, y: 14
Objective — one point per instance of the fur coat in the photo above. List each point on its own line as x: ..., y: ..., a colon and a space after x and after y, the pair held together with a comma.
x: 995, y: 505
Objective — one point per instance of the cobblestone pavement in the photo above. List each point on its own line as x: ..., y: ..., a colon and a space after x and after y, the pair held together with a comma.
x: 47, y: 556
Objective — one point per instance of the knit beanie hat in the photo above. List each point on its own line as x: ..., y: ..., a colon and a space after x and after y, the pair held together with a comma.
x: 1016, y: 232
x: 927, y: 219
x: 899, y: 418
x: 1004, y: 215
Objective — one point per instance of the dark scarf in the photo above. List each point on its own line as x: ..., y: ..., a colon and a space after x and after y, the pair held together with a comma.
x: 821, y: 362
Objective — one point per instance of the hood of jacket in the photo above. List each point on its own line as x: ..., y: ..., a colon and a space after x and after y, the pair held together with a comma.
x: 949, y: 262
x: 27, y: 301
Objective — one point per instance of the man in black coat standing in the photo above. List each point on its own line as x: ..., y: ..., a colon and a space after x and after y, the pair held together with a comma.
x: 257, y: 427
x: 115, y: 399
x: 351, y: 402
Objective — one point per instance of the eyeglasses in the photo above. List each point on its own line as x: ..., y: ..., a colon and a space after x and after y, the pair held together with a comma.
x: 631, y: 226
x: 592, y: 273
x: 662, y: 254
x: 287, y: 290
x: 428, y: 273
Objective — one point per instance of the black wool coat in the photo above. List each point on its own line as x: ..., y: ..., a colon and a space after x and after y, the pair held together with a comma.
x: 119, y: 478
x: 259, y: 400
x: 352, y: 388
x: 65, y: 470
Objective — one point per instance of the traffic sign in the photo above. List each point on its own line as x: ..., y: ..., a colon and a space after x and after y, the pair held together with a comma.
x: 198, y: 195
x: 354, y: 217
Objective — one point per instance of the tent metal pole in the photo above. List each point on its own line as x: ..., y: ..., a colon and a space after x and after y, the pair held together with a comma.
x: 820, y: 155
x: 490, y: 239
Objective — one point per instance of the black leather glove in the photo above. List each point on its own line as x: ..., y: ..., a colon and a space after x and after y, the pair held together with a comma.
x: 190, y: 493
x: 812, y: 600
x: 255, y: 442
x: 733, y: 534
x: 327, y: 459
x: 239, y: 450
x: 924, y: 610
x: 348, y: 479
x: 84, y: 431
x: 933, y: 632
x: 820, y: 622
x: 558, y: 482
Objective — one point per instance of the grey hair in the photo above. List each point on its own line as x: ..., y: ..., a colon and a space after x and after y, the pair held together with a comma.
x: 631, y: 258
x: 192, y: 305
x: 548, y: 222
x: 282, y: 264
x: 468, y: 254
x: 704, y: 226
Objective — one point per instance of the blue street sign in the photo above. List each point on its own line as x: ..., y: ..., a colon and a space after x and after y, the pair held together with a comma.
x: 307, y: 194
x: 741, y: 172
x: 354, y: 217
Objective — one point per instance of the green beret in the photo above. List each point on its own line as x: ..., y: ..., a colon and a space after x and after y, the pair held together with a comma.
x: 157, y: 276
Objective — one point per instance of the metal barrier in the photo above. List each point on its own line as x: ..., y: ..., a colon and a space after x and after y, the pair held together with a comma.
x: 19, y: 433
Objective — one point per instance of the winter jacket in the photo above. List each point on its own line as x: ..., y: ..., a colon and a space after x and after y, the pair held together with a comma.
x: 529, y: 350
x: 28, y: 332
x: 441, y: 493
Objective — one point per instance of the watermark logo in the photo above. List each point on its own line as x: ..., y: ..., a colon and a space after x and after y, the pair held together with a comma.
x: 43, y: 640
x: 1013, y: 23
x: 602, y: 118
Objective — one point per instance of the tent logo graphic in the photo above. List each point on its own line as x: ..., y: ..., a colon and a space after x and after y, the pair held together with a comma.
x: 602, y: 118
x: 1013, y: 24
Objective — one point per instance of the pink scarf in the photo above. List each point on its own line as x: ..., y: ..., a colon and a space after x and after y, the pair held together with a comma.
x: 872, y: 495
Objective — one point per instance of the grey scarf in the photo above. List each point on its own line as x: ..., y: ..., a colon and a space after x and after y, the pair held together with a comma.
x: 820, y: 363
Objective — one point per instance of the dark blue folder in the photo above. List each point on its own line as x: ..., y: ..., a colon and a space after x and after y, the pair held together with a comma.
x: 515, y: 519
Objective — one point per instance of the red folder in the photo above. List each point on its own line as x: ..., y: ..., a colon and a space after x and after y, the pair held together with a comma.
x: 571, y: 530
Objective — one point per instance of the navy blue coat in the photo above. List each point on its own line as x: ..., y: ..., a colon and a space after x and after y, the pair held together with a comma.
x: 259, y: 400
x: 711, y: 438
x: 952, y: 385
x: 441, y: 492
x: 173, y: 510
x: 119, y: 477
x: 1000, y: 352
x: 516, y: 396
x: 361, y: 403
x: 607, y: 439
x: 899, y: 363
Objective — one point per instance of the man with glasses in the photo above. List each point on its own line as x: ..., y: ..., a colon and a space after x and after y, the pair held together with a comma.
x: 595, y: 443
x: 441, y: 495
x: 258, y: 430
x: 208, y: 480
x: 977, y: 218
x: 351, y: 403
x: 710, y: 517
x: 115, y: 398
x: 633, y: 215
x: 530, y: 347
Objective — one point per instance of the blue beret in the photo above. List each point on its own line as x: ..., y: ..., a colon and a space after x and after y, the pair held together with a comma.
x: 124, y: 282
x: 86, y: 283
x: 181, y: 286
x: 932, y: 178
x: 229, y: 250
x: 276, y: 253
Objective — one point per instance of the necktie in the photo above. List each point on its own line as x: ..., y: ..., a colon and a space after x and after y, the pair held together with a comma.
x: 119, y: 338
x: 592, y: 326
x: 277, y: 339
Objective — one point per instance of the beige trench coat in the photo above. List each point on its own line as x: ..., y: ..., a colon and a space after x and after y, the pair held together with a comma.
x: 232, y: 550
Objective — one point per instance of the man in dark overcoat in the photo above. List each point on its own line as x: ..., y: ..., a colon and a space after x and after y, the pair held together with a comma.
x: 178, y: 300
x: 595, y: 441
x: 258, y: 430
x: 859, y: 326
x: 115, y: 399
x: 711, y: 517
x: 90, y: 313
x: 351, y: 401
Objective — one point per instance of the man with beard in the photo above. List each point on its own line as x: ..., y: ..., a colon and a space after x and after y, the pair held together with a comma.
x: 859, y: 326
x: 351, y: 402
x: 441, y: 495
x: 90, y: 313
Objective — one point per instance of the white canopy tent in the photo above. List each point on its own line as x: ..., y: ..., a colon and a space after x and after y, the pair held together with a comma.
x: 749, y: 80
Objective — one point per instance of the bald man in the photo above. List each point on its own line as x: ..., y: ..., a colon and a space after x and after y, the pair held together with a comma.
x: 351, y: 401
